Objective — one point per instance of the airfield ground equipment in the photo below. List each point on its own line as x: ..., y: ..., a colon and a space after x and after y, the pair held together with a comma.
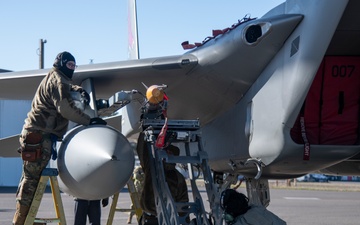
x: 48, y: 173
x: 135, y: 199
x: 186, y: 132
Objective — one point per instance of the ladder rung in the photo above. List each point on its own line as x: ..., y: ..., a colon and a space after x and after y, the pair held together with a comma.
x: 47, y: 220
x: 50, y: 172
x: 125, y: 210
x: 173, y: 124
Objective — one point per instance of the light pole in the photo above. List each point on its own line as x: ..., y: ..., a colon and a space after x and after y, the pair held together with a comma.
x: 41, y: 54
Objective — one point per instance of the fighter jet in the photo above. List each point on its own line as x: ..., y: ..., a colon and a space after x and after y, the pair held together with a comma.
x: 277, y: 97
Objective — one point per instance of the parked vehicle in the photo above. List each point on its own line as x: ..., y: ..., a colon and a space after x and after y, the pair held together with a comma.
x: 313, y: 178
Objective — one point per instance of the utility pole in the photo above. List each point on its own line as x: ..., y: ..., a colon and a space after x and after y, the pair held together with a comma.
x: 41, y: 54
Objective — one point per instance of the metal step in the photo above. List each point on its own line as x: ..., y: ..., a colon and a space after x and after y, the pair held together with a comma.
x: 165, y: 204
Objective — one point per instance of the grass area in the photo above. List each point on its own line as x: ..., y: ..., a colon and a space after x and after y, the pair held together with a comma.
x: 326, y: 186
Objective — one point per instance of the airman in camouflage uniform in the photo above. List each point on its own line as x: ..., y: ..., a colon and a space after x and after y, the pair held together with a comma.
x: 138, y: 177
x: 174, y: 178
x: 51, y: 110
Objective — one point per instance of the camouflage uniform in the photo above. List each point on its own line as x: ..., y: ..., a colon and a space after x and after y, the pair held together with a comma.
x: 174, y: 178
x: 138, y: 177
x: 51, y: 110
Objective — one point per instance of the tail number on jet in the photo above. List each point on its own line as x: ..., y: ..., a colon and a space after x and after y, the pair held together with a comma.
x: 342, y: 70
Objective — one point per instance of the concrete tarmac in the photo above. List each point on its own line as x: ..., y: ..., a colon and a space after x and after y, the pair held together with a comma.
x: 305, y: 207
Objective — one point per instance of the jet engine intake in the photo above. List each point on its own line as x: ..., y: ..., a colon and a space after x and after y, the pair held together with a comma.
x: 253, y: 33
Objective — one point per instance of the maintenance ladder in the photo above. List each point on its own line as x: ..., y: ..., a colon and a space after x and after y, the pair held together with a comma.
x: 187, y: 132
x: 48, y: 173
x: 135, y: 199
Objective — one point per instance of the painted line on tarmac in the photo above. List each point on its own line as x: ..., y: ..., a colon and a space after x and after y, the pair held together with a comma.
x: 301, y: 198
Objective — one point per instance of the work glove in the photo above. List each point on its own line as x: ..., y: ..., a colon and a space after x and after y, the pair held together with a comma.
x: 85, y: 96
x: 105, y: 202
x: 97, y: 120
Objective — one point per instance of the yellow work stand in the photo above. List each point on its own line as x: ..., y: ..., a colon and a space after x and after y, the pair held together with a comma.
x: 48, y: 173
x: 135, y: 199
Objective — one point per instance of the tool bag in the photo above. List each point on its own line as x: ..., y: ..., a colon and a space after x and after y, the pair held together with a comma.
x: 32, y: 145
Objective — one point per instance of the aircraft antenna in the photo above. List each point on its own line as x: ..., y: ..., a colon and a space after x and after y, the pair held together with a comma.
x: 146, y: 87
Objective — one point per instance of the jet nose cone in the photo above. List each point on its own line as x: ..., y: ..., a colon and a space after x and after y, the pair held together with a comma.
x: 94, y: 162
